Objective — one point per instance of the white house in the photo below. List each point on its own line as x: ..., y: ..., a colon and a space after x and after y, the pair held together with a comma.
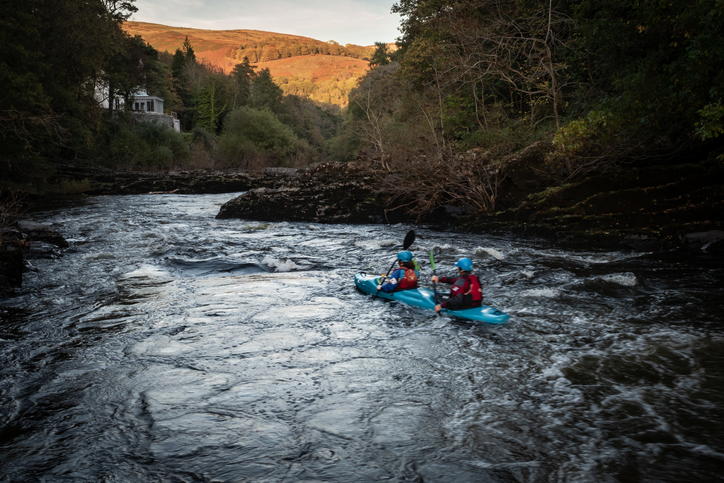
x: 144, y: 107
x: 146, y: 103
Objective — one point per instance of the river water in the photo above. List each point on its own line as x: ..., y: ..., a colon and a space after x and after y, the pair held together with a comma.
x: 166, y: 345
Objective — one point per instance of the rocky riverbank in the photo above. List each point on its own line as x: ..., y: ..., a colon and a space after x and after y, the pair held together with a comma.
x: 649, y: 207
x: 101, y: 181
x: 642, y: 207
x: 325, y: 193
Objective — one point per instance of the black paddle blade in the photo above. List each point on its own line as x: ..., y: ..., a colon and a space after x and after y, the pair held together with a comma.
x: 409, y: 239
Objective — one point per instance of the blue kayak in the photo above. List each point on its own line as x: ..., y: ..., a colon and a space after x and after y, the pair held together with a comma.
x: 425, y: 299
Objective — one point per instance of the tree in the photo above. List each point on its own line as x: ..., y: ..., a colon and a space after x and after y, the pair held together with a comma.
x: 53, y: 56
x: 120, y: 10
x: 210, y: 105
x: 186, y: 74
x: 188, y: 50
x: 269, y: 53
x: 242, y: 75
x: 265, y: 93
x: 654, y: 69
x: 373, y: 104
x: 381, y: 56
x: 251, y: 133
x: 131, y: 67
x: 480, y: 59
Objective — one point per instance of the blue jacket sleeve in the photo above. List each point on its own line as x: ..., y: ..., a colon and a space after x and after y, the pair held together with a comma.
x: 392, y: 282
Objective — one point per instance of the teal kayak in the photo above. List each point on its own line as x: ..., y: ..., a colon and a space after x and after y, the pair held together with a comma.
x: 425, y: 299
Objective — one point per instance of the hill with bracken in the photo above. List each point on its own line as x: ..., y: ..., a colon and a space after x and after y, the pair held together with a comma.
x: 322, y: 71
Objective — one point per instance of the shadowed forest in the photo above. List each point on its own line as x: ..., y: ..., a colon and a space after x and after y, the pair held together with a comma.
x: 601, y: 85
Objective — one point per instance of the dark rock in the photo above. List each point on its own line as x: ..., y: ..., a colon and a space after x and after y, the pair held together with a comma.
x: 644, y: 208
x: 37, y: 232
x: 11, y: 271
x: 325, y: 193
x: 109, y: 182
x: 705, y: 238
x: 11, y: 235
x: 523, y: 174
x: 40, y: 249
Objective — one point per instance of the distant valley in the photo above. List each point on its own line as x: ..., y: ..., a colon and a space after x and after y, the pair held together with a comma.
x: 322, y: 71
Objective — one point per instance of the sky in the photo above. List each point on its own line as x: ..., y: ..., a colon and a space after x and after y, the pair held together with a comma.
x: 358, y: 22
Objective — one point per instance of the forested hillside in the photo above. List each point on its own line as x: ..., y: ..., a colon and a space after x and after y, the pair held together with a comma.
x: 61, y: 64
x: 565, y: 91
x: 565, y: 113
x: 324, y: 71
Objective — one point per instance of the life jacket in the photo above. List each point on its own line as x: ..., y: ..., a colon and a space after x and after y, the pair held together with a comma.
x: 474, y: 295
x: 409, y: 280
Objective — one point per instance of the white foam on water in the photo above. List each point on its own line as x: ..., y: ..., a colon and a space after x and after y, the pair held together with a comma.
x: 587, y: 258
x: 376, y: 243
x: 490, y: 251
x: 145, y: 271
x: 372, y: 244
x: 626, y: 279
x: 540, y: 292
x: 515, y: 464
x: 280, y: 265
x: 387, y: 243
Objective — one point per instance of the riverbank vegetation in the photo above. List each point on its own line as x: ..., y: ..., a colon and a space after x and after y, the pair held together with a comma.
x: 598, y: 86
x: 60, y: 62
x: 484, y: 104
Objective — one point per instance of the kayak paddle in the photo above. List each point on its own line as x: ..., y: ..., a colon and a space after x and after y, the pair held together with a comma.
x: 406, y: 243
x: 434, y: 285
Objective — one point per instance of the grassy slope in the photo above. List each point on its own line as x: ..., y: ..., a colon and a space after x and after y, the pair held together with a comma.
x: 317, y: 67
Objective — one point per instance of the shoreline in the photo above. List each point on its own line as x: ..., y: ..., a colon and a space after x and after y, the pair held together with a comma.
x: 354, y: 193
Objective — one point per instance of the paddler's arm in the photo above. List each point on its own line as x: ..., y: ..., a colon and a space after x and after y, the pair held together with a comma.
x: 457, y: 295
x: 437, y: 279
x: 391, y: 284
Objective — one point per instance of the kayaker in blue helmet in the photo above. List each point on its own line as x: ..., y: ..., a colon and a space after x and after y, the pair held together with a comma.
x: 404, y: 277
x: 466, y: 291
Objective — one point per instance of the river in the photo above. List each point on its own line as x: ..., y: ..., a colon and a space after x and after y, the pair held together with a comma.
x: 166, y: 345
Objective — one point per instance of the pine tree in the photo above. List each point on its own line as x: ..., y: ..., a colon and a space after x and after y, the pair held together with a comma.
x: 381, y: 56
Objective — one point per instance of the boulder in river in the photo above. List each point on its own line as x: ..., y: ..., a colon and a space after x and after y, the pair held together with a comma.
x: 37, y: 232
x: 11, y: 271
x: 27, y: 239
x: 325, y: 193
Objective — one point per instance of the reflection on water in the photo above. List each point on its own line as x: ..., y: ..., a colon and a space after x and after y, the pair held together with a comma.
x: 166, y: 345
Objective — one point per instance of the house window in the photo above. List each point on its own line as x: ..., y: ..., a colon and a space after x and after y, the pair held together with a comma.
x: 136, y: 108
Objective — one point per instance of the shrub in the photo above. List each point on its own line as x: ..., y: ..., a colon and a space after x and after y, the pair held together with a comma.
x: 253, y: 134
x: 149, y: 145
x: 201, y: 136
x: 343, y: 147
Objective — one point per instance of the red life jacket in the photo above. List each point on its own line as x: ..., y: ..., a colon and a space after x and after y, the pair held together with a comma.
x: 408, y: 281
x: 475, y: 291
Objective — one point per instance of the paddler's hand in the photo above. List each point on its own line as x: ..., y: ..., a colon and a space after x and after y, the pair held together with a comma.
x: 435, y: 279
x: 438, y: 308
x: 379, y: 287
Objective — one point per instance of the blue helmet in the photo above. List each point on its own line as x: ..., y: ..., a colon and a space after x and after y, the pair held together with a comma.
x: 464, y: 264
x: 404, y: 256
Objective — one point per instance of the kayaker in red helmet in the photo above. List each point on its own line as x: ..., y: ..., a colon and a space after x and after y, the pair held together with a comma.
x: 404, y: 277
x: 466, y: 291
